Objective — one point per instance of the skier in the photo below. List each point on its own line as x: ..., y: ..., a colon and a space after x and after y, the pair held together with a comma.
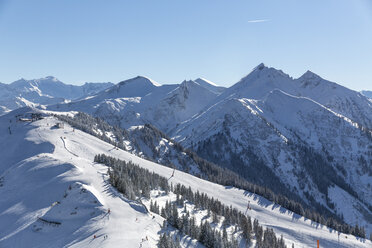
x: 172, y: 174
x: 248, y: 207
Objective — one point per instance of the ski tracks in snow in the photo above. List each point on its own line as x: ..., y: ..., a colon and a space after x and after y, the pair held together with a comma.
x: 64, y: 144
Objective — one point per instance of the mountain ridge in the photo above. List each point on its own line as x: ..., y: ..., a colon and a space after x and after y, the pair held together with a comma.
x: 43, y: 91
x: 69, y: 202
x: 305, y: 135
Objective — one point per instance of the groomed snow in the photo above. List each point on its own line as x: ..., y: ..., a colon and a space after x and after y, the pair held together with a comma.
x: 41, y: 164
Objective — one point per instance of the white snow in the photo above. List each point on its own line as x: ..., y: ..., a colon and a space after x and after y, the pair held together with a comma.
x: 44, y: 91
x: 38, y: 170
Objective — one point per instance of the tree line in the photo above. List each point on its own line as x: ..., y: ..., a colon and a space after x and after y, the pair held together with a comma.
x: 130, y: 179
x: 135, y: 182
x: 217, y: 174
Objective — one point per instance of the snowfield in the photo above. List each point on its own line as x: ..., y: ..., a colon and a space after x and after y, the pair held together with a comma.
x: 54, y: 195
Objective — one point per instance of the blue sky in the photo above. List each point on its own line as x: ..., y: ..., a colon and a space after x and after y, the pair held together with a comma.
x: 169, y: 41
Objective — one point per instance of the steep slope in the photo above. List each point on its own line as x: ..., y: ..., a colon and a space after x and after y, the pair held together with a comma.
x: 247, y: 129
x: 56, y: 196
x: 139, y: 101
x: 258, y: 83
x: 344, y: 101
x: 122, y: 104
x: 276, y: 141
x: 135, y: 87
x: 89, y: 89
x: 210, y: 85
x: 263, y: 80
x: 188, y: 99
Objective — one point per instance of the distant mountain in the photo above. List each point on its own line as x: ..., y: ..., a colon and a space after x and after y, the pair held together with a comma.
x: 179, y: 105
x: 367, y: 93
x: 140, y: 100
x: 342, y: 100
x: 43, y: 91
x: 52, y: 87
x: 306, y: 138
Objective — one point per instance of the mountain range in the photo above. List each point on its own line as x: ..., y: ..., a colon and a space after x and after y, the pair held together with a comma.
x: 306, y: 138
x: 43, y: 91
x: 53, y: 194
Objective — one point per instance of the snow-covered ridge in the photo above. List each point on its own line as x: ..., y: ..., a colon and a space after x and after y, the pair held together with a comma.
x: 269, y: 117
x: 48, y: 185
x: 163, y: 106
x: 206, y: 81
x: 267, y: 111
x: 210, y: 85
x: 44, y: 91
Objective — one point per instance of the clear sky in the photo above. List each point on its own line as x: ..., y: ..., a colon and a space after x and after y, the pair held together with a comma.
x: 169, y: 41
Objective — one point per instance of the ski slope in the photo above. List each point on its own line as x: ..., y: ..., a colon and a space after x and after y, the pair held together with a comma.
x: 48, y: 174
x: 39, y: 169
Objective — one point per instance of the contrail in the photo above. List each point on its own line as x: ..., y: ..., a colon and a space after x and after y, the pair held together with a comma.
x: 258, y: 20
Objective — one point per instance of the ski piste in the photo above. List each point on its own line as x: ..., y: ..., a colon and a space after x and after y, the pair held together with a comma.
x: 36, y: 153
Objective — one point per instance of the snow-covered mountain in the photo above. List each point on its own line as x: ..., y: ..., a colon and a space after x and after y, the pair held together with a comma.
x: 140, y: 100
x: 274, y: 126
x: 262, y: 80
x: 279, y: 135
x: 274, y: 130
x: 179, y: 105
x: 54, y: 195
x: 52, y: 87
x: 306, y: 138
x: 210, y: 85
x: 43, y: 91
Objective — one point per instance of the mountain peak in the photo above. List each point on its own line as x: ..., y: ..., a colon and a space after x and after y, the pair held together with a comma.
x: 140, y: 80
x: 148, y: 79
x: 309, y: 75
x: 263, y: 73
x: 210, y: 85
x: 135, y: 87
x: 188, y: 86
x: 188, y: 82
x: 260, y: 67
